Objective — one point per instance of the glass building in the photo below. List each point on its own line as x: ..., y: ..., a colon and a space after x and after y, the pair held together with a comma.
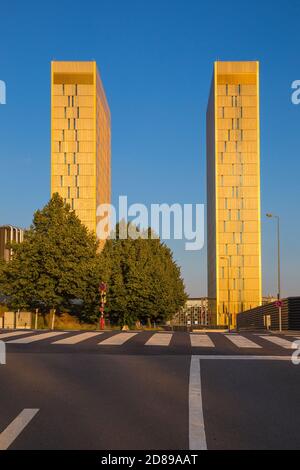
x: 80, y: 139
x: 233, y: 191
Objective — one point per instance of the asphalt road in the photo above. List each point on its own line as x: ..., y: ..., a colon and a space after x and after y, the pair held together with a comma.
x: 133, y: 396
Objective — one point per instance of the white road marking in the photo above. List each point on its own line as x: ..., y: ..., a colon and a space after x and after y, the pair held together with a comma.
x: 242, y: 342
x: 160, y: 339
x: 37, y: 337
x: 244, y: 358
x: 78, y: 338
x: 197, y: 437
x: 9, y: 435
x: 201, y: 340
x: 117, y: 340
x: 280, y: 342
x: 14, y: 333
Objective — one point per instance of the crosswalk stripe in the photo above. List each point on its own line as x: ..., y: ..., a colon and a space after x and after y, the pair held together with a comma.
x: 201, y: 340
x: 242, y: 342
x: 14, y: 333
x: 280, y: 342
x: 160, y: 339
x: 117, y: 340
x: 37, y: 337
x: 77, y: 338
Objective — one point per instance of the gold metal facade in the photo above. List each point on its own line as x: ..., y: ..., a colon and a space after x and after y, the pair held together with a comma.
x: 80, y: 139
x: 233, y: 191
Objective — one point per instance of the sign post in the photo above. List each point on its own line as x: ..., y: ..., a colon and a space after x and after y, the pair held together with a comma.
x: 103, y: 290
x: 279, y: 304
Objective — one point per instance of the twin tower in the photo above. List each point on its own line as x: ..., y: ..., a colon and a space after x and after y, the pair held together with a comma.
x: 81, y: 171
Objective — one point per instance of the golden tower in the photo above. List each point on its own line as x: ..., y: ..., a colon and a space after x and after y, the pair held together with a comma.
x: 233, y: 191
x: 80, y: 139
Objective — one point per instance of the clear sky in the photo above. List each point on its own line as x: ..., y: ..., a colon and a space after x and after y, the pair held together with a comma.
x: 155, y: 58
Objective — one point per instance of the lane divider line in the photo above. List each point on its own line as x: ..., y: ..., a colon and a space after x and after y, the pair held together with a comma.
x: 215, y: 357
x: 197, y: 436
x: 10, y: 434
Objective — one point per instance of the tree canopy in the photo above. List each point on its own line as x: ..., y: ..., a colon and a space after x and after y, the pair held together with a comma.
x: 59, y: 262
x: 56, y: 263
x: 144, y: 281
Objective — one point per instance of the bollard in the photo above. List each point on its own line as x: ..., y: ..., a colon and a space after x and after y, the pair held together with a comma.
x: 2, y: 353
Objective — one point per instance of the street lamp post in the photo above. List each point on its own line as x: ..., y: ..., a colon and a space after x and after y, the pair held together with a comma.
x: 226, y: 258
x: 272, y: 216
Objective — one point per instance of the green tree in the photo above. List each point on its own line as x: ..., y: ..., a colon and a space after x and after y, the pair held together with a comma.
x: 144, y: 281
x: 2, y: 265
x: 56, y: 263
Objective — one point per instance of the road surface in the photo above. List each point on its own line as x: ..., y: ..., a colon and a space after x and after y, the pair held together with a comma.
x: 148, y: 391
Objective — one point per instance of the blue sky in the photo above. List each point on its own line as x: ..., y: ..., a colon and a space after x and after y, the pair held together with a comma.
x: 155, y: 58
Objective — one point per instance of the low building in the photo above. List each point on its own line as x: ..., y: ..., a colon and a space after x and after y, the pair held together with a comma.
x: 268, y: 299
x: 194, y: 314
x: 9, y: 234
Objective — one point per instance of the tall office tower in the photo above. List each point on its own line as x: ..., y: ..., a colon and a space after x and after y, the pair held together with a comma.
x: 233, y: 191
x: 80, y: 139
